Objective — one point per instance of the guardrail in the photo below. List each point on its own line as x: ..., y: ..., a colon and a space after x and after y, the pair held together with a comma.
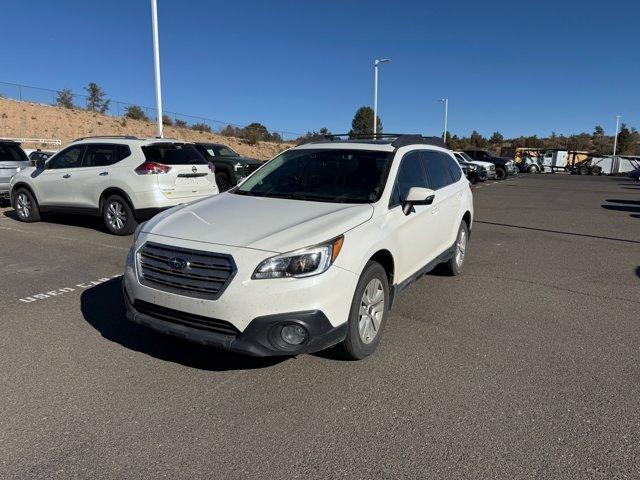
x: 45, y: 141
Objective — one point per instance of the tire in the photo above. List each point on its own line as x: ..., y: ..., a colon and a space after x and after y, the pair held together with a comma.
x: 596, y: 171
x: 26, y: 206
x: 501, y: 173
x: 372, y: 294
x: 223, y: 182
x: 455, y: 264
x: 118, y: 216
x: 533, y: 169
x: 583, y: 171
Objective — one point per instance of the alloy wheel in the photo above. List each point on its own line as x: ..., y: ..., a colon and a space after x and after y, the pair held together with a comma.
x: 461, y: 246
x: 116, y: 215
x: 23, y: 205
x: 371, y: 311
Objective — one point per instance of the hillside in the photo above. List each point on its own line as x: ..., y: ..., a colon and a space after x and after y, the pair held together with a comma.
x: 34, y: 120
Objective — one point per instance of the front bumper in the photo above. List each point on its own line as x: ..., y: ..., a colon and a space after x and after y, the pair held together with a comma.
x: 252, y: 312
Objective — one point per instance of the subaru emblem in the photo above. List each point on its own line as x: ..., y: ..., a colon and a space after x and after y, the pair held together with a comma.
x: 177, y: 263
x: 194, y: 169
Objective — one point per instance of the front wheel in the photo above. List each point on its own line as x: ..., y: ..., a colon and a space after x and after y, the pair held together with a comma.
x: 25, y: 206
x: 223, y: 182
x: 533, y: 169
x: 501, y: 174
x: 368, y: 313
x: 456, y: 262
x: 118, y: 216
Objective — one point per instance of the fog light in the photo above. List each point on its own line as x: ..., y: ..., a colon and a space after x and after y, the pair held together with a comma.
x: 293, y: 334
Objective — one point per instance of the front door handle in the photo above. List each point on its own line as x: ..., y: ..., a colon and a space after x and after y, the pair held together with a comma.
x: 459, y: 195
x: 66, y: 175
x: 102, y: 174
x: 435, y: 210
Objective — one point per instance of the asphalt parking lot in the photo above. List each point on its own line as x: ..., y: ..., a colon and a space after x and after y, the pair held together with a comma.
x: 526, y: 366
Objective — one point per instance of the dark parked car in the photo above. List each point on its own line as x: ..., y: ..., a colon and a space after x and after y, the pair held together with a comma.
x: 635, y: 174
x: 504, y: 166
x: 230, y: 167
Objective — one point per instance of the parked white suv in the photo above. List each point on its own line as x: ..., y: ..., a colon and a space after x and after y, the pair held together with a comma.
x: 309, y: 251
x: 488, y: 167
x: 123, y: 179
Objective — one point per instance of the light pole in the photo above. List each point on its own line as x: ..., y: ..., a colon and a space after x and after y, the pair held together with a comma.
x: 615, y: 143
x: 156, y: 66
x: 375, y: 92
x: 446, y: 115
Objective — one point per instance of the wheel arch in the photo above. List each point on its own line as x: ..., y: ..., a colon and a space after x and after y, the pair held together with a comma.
x: 114, y: 191
x: 385, y: 258
x: 19, y: 185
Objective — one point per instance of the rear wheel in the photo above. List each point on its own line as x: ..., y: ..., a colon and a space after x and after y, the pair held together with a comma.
x: 368, y: 313
x: 533, y: 169
x: 118, y: 216
x: 583, y: 170
x: 223, y: 182
x: 501, y: 173
x: 456, y: 262
x: 25, y: 206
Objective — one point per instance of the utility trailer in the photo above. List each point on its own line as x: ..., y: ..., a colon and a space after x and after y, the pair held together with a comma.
x: 608, y: 165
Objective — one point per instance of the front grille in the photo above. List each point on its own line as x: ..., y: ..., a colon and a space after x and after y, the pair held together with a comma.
x: 193, y: 273
x: 186, y: 319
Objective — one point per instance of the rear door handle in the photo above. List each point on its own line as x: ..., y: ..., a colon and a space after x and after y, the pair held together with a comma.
x: 66, y: 175
x: 459, y: 195
x: 102, y: 174
x: 435, y: 210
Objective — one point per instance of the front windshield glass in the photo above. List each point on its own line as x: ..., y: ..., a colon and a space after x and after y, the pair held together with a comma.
x: 323, y: 175
x: 465, y: 157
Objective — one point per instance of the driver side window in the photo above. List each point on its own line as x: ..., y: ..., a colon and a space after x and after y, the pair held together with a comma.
x: 410, y: 174
x: 69, y: 158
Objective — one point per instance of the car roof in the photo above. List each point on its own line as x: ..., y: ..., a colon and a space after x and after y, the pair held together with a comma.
x: 142, y: 141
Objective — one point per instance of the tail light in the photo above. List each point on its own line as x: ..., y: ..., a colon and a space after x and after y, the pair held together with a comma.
x: 151, y: 168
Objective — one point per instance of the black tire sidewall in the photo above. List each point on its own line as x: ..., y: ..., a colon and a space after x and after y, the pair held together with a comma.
x: 501, y: 173
x: 131, y: 223
x: 225, y: 184
x: 354, y: 348
x: 452, y: 267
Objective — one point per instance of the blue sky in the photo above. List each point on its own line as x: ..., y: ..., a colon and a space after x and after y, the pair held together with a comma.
x: 511, y: 66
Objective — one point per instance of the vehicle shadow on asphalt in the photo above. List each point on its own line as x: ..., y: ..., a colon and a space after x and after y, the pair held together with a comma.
x: 622, y: 208
x: 638, y: 271
x: 103, y: 308
x: 625, y: 202
x: 84, y: 221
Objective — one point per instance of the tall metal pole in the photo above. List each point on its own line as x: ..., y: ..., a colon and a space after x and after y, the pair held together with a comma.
x: 446, y: 117
x: 375, y: 92
x: 156, y: 66
x: 615, y: 145
x: 375, y: 97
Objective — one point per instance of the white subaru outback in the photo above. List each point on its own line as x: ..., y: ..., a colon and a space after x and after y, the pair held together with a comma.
x: 123, y: 179
x: 308, y: 252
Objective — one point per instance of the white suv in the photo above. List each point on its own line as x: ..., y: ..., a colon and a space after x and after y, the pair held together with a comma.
x: 123, y: 179
x: 309, y: 251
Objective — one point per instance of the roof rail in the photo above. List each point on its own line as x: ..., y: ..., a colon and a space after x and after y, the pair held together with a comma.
x: 396, y: 140
x: 125, y: 137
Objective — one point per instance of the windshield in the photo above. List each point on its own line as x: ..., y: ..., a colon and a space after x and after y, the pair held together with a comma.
x: 12, y: 153
x: 465, y: 157
x: 338, y: 176
x: 220, y: 151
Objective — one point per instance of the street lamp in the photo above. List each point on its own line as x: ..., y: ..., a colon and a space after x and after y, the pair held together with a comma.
x: 615, y: 142
x: 156, y: 66
x: 375, y: 92
x: 446, y: 114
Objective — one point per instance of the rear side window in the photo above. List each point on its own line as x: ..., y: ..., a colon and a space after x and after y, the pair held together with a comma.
x: 454, y: 167
x: 438, y: 175
x: 122, y: 152
x: 68, y: 158
x: 99, y: 156
x: 173, y: 154
x: 12, y: 153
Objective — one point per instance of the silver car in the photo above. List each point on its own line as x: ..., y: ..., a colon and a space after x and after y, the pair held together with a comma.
x: 12, y: 160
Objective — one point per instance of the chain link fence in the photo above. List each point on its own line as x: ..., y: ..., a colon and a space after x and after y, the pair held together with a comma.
x: 119, y: 109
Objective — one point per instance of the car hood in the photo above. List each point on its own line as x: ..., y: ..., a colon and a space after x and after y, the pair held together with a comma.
x: 247, y: 160
x: 482, y: 164
x: 270, y: 224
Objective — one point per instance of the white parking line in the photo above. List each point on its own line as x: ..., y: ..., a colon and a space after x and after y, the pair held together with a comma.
x: 11, y: 229
x: 56, y: 292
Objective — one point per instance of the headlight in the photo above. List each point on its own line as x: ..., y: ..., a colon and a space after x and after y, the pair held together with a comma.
x: 301, y: 263
x: 473, y: 168
x: 136, y: 234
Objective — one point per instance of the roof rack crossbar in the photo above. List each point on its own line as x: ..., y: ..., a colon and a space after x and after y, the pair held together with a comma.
x: 125, y: 137
x: 396, y: 140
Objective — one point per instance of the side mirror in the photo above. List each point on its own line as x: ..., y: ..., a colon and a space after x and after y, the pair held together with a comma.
x: 40, y: 163
x: 417, y: 196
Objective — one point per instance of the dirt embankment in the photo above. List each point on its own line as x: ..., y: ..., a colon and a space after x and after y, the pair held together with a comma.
x: 34, y: 120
